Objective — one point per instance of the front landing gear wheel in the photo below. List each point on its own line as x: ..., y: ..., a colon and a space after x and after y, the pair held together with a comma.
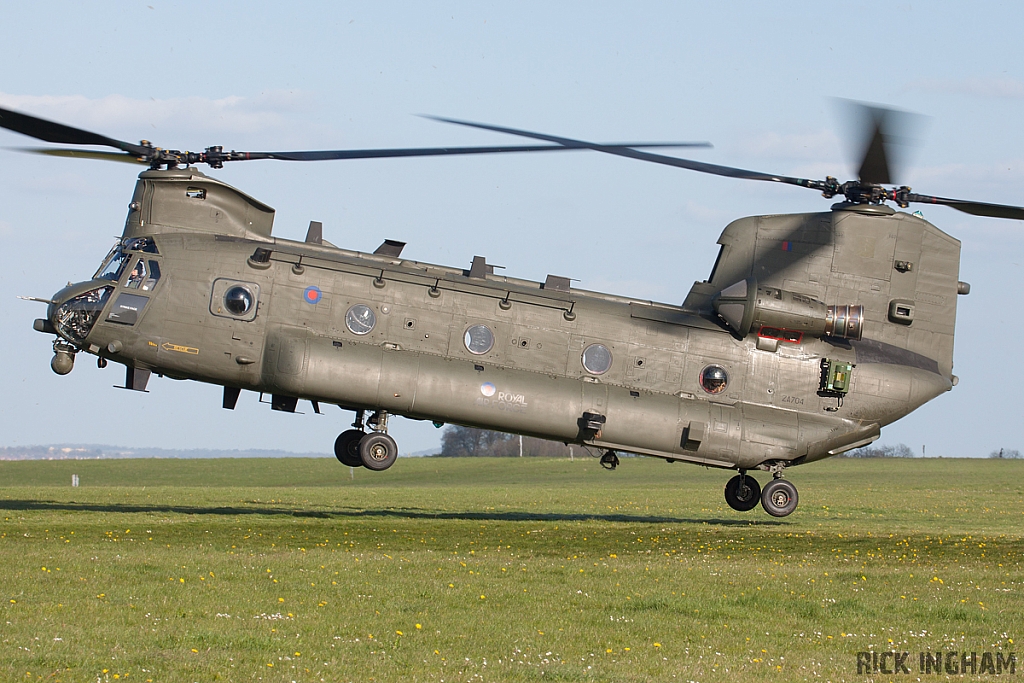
x: 378, y: 451
x: 346, y: 447
x: 779, y: 498
x: 742, y: 493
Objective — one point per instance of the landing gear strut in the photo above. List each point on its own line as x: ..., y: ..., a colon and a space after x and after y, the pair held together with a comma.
x: 375, y: 451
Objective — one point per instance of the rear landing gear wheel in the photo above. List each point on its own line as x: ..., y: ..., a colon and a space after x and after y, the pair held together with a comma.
x: 346, y: 447
x: 779, y: 498
x: 378, y: 451
x: 609, y: 460
x: 742, y: 493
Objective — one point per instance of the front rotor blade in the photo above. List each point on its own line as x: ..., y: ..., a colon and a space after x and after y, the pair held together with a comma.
x: 41, y: 129
x: 326, y: 155
x: 123, y: 157
x: 973, y: 208
x: 715, y: 169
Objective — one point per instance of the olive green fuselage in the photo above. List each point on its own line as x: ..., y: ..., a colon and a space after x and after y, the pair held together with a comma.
x: 416, y: 362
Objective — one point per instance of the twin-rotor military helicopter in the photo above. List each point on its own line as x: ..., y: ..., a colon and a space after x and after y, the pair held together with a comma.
x: 812, y: 332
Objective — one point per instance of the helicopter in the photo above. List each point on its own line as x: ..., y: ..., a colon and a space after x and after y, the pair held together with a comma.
x: 811, y: 333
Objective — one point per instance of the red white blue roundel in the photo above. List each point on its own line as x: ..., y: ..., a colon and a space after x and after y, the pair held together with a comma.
x: 312, y: 295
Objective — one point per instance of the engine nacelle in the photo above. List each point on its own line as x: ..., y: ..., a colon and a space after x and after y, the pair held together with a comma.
x: 747, y: 306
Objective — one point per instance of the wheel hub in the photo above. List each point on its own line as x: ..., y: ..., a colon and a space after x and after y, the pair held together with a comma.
x: 379, y: 452
x: 780, y: 499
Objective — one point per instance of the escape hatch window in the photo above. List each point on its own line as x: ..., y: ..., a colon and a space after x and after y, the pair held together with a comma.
x: 597, y: 359
x: 360, y: 319
x: 238, y: 300
x: 714, y: 379
x: 230, y: 298
x: 479, y: 339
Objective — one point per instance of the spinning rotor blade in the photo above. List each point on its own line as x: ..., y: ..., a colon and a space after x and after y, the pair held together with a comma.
x: 874, y: 165
x: 123, y: 157
x: 884, y: 134
x: 49, y: 131
x: 973, y: 208
x: 325, y: 155
x: 727, y: 171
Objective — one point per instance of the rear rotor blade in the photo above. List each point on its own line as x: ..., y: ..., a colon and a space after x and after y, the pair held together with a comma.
x: 885, y: 136
x: 715, y: 169
x: 874, y: 165
x: 41, y: 129
x: 973, y: 208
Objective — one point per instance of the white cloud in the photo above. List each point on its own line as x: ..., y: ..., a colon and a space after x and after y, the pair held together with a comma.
x: 129, y: 119
x: 707, y: 214
x: 813, y: 146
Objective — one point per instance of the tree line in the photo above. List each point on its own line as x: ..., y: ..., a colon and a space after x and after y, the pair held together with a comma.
x: 468, y: 442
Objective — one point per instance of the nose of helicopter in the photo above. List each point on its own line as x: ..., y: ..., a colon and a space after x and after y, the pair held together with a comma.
x: 74, y: 310
x: 70, y: 315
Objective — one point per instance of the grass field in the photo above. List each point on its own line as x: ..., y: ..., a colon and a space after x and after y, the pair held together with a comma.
x: 499, y: 570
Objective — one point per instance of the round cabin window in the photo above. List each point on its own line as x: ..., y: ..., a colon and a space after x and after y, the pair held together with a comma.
x: 479, y: 339
x: 238, y: 300
x: 714, y: 379
x: 360, y: 319
x: 597, y: 359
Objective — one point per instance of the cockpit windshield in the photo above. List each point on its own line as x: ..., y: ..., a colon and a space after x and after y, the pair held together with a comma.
x: 112, y: 265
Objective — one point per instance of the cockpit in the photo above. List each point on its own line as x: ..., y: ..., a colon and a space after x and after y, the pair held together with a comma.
x: 75, y: 317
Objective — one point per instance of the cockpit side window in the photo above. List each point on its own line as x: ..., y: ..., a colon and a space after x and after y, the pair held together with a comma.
x: 138, y: 274
x: 154, y: 276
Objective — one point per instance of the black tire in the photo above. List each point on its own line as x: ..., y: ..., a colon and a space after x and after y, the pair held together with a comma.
x: 378, y: 451
x: 779, y: 498
x: 346, y: 447
x: 742, y: 493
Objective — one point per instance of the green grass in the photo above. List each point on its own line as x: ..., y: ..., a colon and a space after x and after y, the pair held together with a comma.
x: 497, y: 570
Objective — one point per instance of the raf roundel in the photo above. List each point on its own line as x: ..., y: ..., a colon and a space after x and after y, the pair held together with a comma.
x: 487, y: 389
x: 312, y: 295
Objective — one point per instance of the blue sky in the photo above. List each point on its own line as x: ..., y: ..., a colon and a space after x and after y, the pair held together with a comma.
x: 756, y: 79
